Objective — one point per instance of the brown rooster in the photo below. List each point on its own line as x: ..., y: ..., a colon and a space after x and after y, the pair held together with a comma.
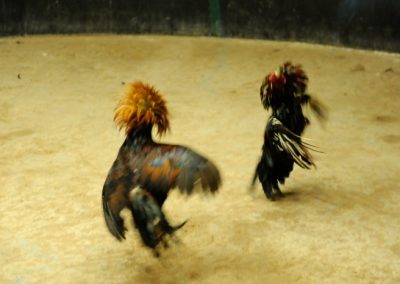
x: 145, y: 171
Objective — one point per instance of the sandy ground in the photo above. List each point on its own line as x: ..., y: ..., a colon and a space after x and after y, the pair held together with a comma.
x: 337, y: 224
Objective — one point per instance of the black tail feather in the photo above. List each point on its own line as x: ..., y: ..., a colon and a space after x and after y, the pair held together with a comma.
x: 255, y: 176
x: 263, y: 175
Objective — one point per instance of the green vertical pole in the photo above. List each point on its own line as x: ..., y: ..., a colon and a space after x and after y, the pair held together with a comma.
x: 215, y: 17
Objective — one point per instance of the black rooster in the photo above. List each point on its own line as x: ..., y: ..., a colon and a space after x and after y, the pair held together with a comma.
x: 284, y: 91
x: 144, y: 171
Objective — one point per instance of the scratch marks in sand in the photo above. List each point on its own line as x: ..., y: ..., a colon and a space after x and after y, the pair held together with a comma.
x: 396, y: 249
x: 15, y: 134
x: 385, y: 118
x: 358, y: 68
x: 4, y: 112
x: 391, y: 139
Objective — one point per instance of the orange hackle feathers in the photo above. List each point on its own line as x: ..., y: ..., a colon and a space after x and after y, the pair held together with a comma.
x: 141, y: 105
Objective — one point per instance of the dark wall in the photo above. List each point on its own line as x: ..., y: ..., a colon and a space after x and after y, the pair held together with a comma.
x: 372, y: 24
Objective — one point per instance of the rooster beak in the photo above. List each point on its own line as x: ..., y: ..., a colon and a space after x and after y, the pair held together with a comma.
x: 278, y: 72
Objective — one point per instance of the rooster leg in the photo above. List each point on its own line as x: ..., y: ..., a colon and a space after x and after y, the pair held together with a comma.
x: 277, y: 190
x: 150, y: 220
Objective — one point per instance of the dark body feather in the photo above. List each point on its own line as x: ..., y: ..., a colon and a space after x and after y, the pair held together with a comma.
x: 284, y: 92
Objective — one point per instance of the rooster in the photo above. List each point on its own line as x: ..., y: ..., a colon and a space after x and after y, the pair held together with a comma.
x: 284, y: 91
x: 145, y: 171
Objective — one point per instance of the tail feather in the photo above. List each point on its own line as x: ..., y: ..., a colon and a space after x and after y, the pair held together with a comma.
x: 255, y: 176
x: 113, y: 221
x: 115, y: 196
x: 292, y: 144
x: 263, y: 173
x: 253, y: 181
x: 150, y: 220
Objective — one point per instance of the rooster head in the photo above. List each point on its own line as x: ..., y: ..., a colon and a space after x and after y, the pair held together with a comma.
x: 141, y: 105
x: 272, y: 85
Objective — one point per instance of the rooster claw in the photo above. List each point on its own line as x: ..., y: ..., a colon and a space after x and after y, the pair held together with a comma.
x: 164, y: 234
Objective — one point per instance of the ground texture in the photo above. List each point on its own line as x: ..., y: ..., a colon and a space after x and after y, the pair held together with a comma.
x: 338, y: 223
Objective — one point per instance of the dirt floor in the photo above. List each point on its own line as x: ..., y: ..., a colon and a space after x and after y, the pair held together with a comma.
x: 337, y: 224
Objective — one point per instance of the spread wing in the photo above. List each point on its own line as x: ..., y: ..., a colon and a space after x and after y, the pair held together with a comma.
x: 319, y: 109
x: 115, y: 195
x: 286, y: 140
x: 173, y: 166
x: 158, y: 169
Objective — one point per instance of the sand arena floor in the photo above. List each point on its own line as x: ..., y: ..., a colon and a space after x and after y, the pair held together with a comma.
x: 337, y: 224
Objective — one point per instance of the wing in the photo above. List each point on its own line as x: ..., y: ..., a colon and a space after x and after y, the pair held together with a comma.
x: 286, y: 140
x: 320, y: 111
x: 115, y: 194
x: 176, y: 166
